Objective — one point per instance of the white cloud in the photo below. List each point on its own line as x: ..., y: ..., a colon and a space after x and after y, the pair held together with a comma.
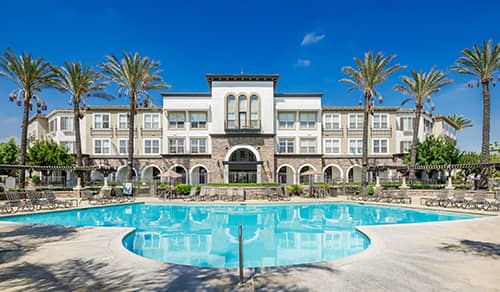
x: 303, y: 63
x: 312, y: 38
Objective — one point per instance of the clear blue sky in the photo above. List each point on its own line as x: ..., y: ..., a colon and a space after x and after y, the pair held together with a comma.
x: 193, y: 38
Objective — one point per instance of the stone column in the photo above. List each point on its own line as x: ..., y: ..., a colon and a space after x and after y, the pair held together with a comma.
x: 259, y: 173
x: 77, y: 189
x: 377, y: 181
x: 449, y: 186
x: 106, y: 187
x: 226, y: 173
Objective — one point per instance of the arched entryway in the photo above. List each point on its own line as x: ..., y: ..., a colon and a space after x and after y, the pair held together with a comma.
x: 180, y: 169
x: 198, y: 175
x: 121, y: 173
x: 286, y: 175
x: 96, y: 175
x: 150, y: 172
x: 354, y: 173
x: 306, y: 179
x: 332, y: 173
x: 242, y: 164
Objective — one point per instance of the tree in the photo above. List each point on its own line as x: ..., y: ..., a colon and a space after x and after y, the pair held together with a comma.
x: 48, y: 153
x: 495, y: 147
x: 31, y: 76
x: 483, y: 63
x: 370, y: 72
x: 470, y: 158
x: 9, y: 154
x: 420, y: 86
x: 79, y: 82
x: 135, y: 76
x: 460, y: 121
x: 436, y: 151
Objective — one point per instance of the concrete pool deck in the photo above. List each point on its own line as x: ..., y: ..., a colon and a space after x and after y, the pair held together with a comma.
x: 437, y: 256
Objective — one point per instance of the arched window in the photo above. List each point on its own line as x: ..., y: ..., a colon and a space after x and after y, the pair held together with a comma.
x: 254, y: 112
x: 242, y: 111
x: 231, y: 105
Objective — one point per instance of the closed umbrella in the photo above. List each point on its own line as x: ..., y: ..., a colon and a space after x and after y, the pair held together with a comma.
x: 170, y: 174
x: 309, y: 173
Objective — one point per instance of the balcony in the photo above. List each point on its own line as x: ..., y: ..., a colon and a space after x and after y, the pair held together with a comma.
x: 250, y: 129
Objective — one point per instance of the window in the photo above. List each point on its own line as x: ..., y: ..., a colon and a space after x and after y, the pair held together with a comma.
x: 427, y: 126
x: 405, y: 146
x: 70, y: 145
x: 176, y: 120
x: 286, y: 120
x: 101, y: 146
x: 67, y: 123
x: 380, y: 146
x: 176, y: 145
x: 332, y: 146
x: 286, y: 145
x: 307, y: 145
x: 242, y: 111
x: 332, y: 121
x: 52, y: 125
x: 308, y: 120
x: 355, y: 121
x: 254, y: 111
x: 407, y: 124
x: 123, y: 121
x: 355, y: 146
x: 151, y: 146
x: 198, y: 145
x: 152, y: 121
x: 199, y: 120
x: 101, y: 121
x: 380, y: 121
x: 122, y: 146
x: 231, y: 104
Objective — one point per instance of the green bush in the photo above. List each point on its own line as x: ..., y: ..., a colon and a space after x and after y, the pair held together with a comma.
x: 295, y: 190
x: 1, y: 189
x: 36, y: 179
x: 371, y: 190
x: 185, y: 189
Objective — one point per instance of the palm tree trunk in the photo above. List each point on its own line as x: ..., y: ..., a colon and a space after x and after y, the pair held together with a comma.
x: 24, y: 137
x: 364, y: 163
x: 78, y: 138
x: 413, y: 157
x: 131, y: 126
x: 485, y: 147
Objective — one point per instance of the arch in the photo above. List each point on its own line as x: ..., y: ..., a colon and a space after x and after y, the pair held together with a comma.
x: 96, y: 175
x: 121, y: 175
x: 305, y: 179
x: 185, y: 170
x: 242, y: 146
x: 332, y: 178
x: 353, y: 177
x: 287, y: 178
x: 147, y: 175
x: 196, y: 177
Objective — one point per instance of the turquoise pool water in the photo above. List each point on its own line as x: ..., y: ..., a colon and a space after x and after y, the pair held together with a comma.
x: 273, y: 235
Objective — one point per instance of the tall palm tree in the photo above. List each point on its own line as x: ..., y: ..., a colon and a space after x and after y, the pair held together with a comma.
x: 420, y: 86
x: 135, y: 76
x: 30, y: 76
x: 460, y: 121
x: 79, y: 82
x: 370, y: 72
x: 483, y: 63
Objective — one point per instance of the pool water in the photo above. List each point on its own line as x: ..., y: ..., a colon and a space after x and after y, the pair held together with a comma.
x: 273, y: 235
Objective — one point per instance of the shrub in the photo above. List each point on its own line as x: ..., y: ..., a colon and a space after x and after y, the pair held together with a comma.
x: 371, y: 190
x: 1, y: 188
x: 244, y: 185
x: 185, y: 189
x: 295, y: 190
x: 36, y: 179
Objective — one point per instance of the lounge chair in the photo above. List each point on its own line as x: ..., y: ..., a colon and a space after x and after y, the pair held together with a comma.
x: 16, y: 203
x: 441, y: 199
x: 362, y: 194
x: 104, y: 197
x: 212, y: 194
x: 401, y: 196
x: 271, y: 194
x: 229, y: 195
x: 203, y: 195
x: 478, y: 201
x: 192, y: 195
x: 34, y: 198
x: 457, y: 200
x: 4, y: 207
x: 382, y: 195
x: 283, y: 194
x: 88, y: 195
x: 493, y: 205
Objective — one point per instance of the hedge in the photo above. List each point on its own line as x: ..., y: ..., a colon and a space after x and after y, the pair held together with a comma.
x: 243, y: 185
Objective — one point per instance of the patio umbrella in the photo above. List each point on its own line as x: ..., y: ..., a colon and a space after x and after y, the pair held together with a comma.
x: 309, y: 173
x: 170, y: 174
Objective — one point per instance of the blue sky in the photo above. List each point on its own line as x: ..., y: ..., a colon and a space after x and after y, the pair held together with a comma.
x: 306, y: 42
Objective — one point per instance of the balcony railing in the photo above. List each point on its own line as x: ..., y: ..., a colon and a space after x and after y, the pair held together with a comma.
x: 253, y: 127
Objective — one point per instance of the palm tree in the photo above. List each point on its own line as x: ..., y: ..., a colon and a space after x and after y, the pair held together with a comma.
x: 483, y: 63
x: 460, y: 121
x: 79, y: 82
x: 31, y: 76
x: 134, y: 75
x: 370, y: 72
x: 420, y: 86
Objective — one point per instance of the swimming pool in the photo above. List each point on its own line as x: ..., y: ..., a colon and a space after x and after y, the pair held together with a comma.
x: 273, y: 235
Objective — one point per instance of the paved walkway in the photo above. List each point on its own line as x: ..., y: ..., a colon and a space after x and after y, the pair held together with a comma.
x: 439, y: 256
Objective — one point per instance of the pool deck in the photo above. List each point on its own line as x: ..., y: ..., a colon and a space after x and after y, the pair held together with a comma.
x: 437, y: 256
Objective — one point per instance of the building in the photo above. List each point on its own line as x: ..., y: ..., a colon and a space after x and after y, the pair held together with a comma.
x: 241, y: 130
